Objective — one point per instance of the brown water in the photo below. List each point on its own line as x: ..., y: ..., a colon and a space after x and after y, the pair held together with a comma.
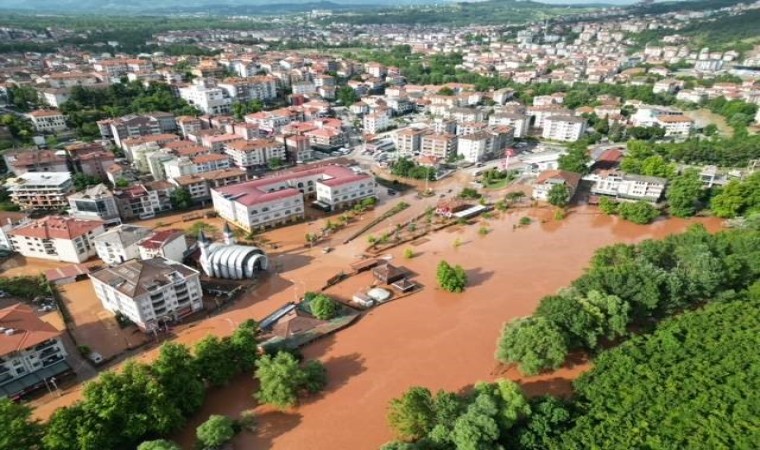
x: 434, y: 339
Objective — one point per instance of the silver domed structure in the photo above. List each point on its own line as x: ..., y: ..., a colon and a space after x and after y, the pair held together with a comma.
x: 230, y: 260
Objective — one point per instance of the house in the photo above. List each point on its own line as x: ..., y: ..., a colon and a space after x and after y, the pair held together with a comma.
x: 151, y: 293
x: 33, y: 160
x: 170, y: 244
x: 564, y: 128
x: 32, y: 354
x: 210, y: 100
x: 144, y: 201
x: 548, y: 179
x: 119, y: 244
x: 48, y: 120
x: 40, y: 190
x: 58, y: 238
x: 8, y: 221
x: 95, y: 203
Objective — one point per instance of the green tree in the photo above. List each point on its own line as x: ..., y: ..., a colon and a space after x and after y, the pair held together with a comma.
x: 684, y: 194
x: 608, y: 206
x: 576, y: 159
x: 559, y: 195
x: 244, y: 343
x: 82, y: 181
x: 160, y: 444
x: 534, y: 343
x: 215, y: 432
x: 215, y: 359
x: 549, y: 418
x: 181, y: 199
x: 639, y: 212
x: 17, y: 429
x: 323, y: 307
x: 477, y: 428
x: 196, y: 227
x: 451, y: 279
x: 177, y: 372
x: 413, y: 415
x: 347, y: 95
x: 282, y: 379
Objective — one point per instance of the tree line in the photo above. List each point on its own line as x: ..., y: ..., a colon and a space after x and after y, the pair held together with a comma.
x: 142, y: 401
x: 648, y: 392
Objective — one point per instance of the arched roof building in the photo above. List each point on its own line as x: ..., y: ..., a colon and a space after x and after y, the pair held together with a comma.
x: 229, y: 260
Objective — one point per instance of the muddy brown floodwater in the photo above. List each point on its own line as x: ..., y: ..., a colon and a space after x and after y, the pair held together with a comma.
x: 433, y: 339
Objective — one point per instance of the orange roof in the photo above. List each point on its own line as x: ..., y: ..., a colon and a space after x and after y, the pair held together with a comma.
x: 45, y: 113
x: 200, y: 159
x: 57, y: 227
x: 675, y: 118
x: 29, y: 330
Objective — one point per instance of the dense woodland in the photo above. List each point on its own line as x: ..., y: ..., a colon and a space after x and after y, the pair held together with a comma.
x: 690, y: 382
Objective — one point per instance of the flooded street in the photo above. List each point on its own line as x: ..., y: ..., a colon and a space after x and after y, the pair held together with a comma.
x: 434, y: 339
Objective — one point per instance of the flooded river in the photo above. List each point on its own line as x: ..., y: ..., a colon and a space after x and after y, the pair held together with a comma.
x: 434, y: 339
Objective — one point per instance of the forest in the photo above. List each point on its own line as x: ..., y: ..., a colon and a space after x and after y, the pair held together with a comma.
x: 686, y: 375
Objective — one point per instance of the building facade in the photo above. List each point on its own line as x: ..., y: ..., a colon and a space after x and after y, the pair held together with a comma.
x: 40, y: 190
x: 57, y: 238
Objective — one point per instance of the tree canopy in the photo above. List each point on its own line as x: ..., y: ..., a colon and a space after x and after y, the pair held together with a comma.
x: 283, y: 379
x: 451, y: 278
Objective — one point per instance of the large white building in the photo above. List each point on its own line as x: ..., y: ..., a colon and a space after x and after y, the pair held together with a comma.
x: 255, y: 153
x: 376, y: 122
x: 119, y: 244
x: 564, y: 128
x: 95, y: 203
x: 210, y: 100
x: 57, y: 238
x: 278, y: 199
x: 31, y: 352
x: 627, y: 186
x: 676, y: 125
x: 8, y: 221
x: 151, y: 292
x: 48, y: 120
x: 230, y: 260
x: 520, y: 122
x: 40, y: 190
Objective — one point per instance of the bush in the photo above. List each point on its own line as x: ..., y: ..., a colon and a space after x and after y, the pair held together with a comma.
x: 408, y: 253
x: 215, y: 432
x: 451, y: 279
x: 323, y: 307
x: 525, y: 221
x: 608, y: 206
x: 639, y: 212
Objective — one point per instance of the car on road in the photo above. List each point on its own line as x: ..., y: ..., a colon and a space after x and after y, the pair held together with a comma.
x: 391, y: 192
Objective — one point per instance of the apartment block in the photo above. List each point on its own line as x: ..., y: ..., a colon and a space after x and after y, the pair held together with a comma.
x: 57, y: 238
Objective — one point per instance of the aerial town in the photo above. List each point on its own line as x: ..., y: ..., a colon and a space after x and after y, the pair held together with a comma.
x: 307, y: 229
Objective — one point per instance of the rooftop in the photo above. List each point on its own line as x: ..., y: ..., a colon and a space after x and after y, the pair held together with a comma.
x: 137, y: 277
x: 160, y: 238
x: 123, y: 235
x: 57, y: 227
x: 28, y: 330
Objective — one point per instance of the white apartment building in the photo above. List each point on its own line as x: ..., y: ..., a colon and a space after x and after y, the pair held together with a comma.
x: 564, y: 128
x: 8, y: 221
x: 210, y: 100
x: 626, y: 186
x: 247, y: 89
x: 520, y: 122
x: 541, y: 113
x: 438, y: 145
x: 648, y: 116
x: 40, y: 190
x: 473, y: 147
x: 170, y: 244
x: 676, y: 125
x: 151, y: 292
x: 31, y: 351
x: 119, y: 244
x: 408, y: 141
x: 255, y: 153
x: 58, y: 238
x: 304, y: 88
x: 278, y: 199
x: 48, y: 120
x: 376, y: 122
x: 95, y: 203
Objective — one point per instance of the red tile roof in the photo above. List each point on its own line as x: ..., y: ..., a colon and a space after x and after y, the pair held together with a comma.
x: 29, y: 330
x: 57, y: 227
x: 160, y: 238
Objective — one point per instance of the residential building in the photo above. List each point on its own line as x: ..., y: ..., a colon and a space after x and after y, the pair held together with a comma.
x: 133, y: 125
x: 31, y: 352
x: 438, y: 145
x: 144, y: 201
x: 676, y: 125
x: 247, y: 89
x: 95, y: 203
x: 58, y: 238
x: 48, y: 120
x: 40, y: 190
x: 548, y: 179
x: 408, y: 141
x: 200, y: 185
x: 169, y: 244
x: 520, y: 122
x: 564, y: 128
x: 255, y: 153
x: 484, y: 145
x: 210, y: 100
x: 151, y: 293
x: 8, y: 221
x: 278, y: 199
x: 32, y: 160
x: 119, y: 244
x: 376, y: 122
